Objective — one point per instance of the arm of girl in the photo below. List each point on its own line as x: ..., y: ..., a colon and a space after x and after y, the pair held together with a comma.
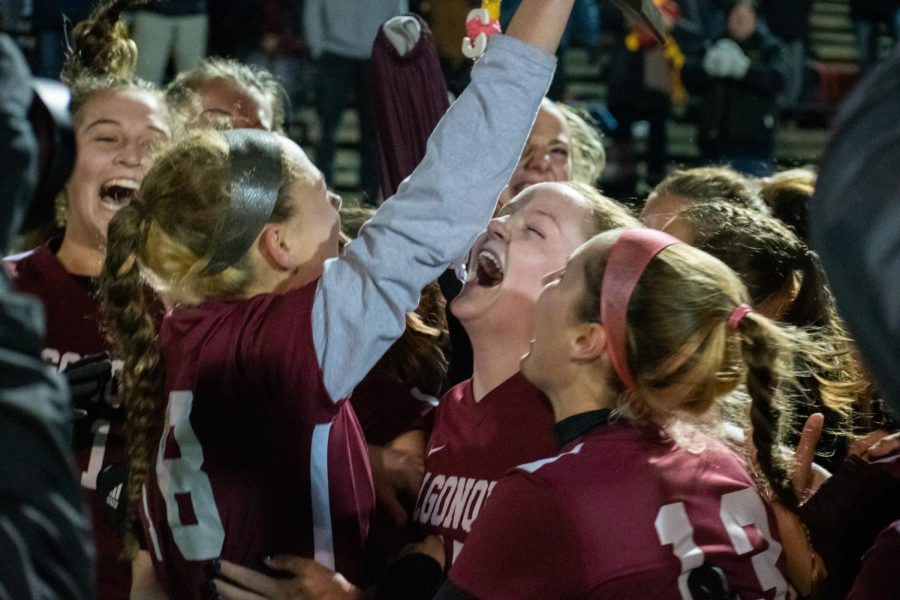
x: 362, y: 298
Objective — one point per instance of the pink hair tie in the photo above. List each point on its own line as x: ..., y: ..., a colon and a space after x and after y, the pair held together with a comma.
x: 627, y: 261
x: 741, y: 311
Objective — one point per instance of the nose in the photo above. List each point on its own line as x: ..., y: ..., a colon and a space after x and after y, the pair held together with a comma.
x: 131, y: 154
x: 498, y: 228
x: 537, y: 158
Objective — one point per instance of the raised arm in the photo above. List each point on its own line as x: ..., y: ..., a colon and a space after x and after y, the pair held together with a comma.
x: 437, y: 212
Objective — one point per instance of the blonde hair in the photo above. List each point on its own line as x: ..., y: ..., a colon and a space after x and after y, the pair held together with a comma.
x: 182, y: 92
x: 164, y: 238
x: 684, y: 356
x: 101, y: 56
x: 586, y: 143
x: 605, y: 213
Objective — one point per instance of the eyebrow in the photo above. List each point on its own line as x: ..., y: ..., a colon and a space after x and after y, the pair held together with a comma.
x: 103, y: 122
x: 547, y: 215
x: 117, y: 124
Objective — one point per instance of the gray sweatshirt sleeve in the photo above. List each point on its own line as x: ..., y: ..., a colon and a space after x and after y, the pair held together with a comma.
x: 363, y: 296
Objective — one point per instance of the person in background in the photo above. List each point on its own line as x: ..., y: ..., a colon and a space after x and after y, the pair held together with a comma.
x: 169, y: 29
x: 48, y: 23
x: 788, y: 20
x: 737, y: 79
x: 646, y: 80
x: 868, y: 16
x: 225, y: 93
x: 686, y: 187
x: 340, y: 37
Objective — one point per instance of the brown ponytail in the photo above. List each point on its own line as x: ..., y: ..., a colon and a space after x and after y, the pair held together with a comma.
x: 763, y: 354
x: 133, y: 334
x: 101, y: 56
x: 100, y: 45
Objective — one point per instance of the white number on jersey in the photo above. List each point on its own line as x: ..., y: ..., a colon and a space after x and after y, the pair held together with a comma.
x: 183, y: 477
x: 100, y: 429
x: 743, y: 508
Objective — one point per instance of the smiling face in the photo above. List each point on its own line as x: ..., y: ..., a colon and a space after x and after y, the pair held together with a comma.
x: 531, y: 237
x: 547, y: 153
x: 557, y: 318
x: 115, y: 131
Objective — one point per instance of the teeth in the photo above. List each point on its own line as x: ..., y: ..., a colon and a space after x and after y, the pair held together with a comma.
x: 129, y: 184
x: 487, y: 255
x: 488, y: 270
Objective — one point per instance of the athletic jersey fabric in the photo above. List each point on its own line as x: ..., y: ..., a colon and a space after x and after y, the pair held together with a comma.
x: 879, y: 577
x: 387, y: 409
x: 273, y: 372
x: 73, y: 331
x: 472, y: 446
x: 623, y: 512
x: 284, y: 468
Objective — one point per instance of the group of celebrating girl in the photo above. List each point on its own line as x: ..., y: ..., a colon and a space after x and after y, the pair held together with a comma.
x: 631, y: 425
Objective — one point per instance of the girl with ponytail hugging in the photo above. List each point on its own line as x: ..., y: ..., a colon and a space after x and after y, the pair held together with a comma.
x: 117, y: 119
x: 241, y: 441
x: 786, y: 283
x: 635, y: 340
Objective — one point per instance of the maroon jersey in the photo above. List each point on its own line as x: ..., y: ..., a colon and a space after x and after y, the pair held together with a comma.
x: 254, y: 458
x: 879, y: 577
x: 472, y: 446
x: 387, y: 409
x: 72, y: 331
x: 623, y: 513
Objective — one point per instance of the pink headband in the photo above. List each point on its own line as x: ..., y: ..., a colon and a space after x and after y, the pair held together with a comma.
x: 628, y: 259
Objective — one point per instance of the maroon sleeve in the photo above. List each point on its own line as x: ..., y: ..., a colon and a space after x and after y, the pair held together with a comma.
x: 386, y: 409
x: 522, y: 545
x: 867, y: 498
x: 879, y: 576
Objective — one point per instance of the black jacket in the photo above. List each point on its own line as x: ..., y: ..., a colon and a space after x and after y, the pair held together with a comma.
x: 738, y: 117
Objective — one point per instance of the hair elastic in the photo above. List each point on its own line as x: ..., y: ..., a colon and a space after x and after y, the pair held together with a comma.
x: 255, y: 159
x: 739, y: 312
x: 628, y: 259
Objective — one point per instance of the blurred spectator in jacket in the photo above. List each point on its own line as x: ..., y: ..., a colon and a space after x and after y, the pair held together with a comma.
x: 868, y: 16
x: 738, y: 79
x: 788, y: 20
x: 340, y: 37
x: 47, y: 23
x: 645, y: 79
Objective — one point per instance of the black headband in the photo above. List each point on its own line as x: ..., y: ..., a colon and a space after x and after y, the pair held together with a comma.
x: 255, y: 158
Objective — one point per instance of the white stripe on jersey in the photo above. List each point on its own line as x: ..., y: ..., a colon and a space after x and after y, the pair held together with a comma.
x: 534, y: 466
x: 323, y: 537
x: 150, y: 528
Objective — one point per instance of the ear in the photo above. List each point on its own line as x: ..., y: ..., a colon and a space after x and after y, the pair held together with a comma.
x: 275, y: 248
x: 588, y: 342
